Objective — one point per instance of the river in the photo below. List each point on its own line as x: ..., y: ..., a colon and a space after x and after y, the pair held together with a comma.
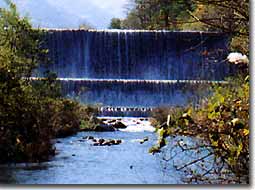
x: 79, y: 162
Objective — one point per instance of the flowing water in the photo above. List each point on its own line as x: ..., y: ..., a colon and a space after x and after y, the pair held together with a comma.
x: 132, y: 54
x: 79, y: 162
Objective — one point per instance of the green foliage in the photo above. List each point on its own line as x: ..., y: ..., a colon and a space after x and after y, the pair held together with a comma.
x: 132, y: 21
x: 85, y: 26
x: 21, y: 114
x: 223, y: 122
x: 157, y: 14
x: 231, y: 17
x: 115, y: 23
x: 228, y: 115
x: 31, y: 111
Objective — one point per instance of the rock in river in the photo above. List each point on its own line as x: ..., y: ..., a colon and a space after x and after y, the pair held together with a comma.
x: 106, y: 142
x: 119, y: 125
x: 144, y: 140
x: 88, y: 137
x: 104, y: 128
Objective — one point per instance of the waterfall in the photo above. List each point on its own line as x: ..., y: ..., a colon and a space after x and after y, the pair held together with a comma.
x: 134, y: 93
x: 159, y: 55
x: 134, y: 68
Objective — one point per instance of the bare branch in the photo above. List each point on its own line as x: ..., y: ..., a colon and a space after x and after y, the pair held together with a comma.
x: 194, y: 161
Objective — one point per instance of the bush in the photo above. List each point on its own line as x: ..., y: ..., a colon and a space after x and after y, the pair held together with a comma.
x: 31, y: 112
x: 222, y: 122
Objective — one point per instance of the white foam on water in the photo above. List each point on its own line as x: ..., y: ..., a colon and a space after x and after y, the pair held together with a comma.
x: 133, y: 124
x: 138, y: 128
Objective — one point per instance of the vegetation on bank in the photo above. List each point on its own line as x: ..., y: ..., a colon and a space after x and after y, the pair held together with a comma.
x: 31, y: 113
x: 222, y: 122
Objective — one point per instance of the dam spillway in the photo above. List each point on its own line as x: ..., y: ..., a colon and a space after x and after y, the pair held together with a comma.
x: 134, y: 93
x: 128, y: 68
x: 155, y: 55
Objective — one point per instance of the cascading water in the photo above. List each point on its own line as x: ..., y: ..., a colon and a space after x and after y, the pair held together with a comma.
x: 128, y: 68
x: 155, y: 55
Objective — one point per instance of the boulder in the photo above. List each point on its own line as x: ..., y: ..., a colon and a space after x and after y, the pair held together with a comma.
x: 88, y: 137
x: 107, y: 143
x: 144, y: 140
x: 112, y: 121
x: 101, y: 141
x: 104, y: 128
x: 119, y: 125
x: 111, y: 141
x: 117, y: 142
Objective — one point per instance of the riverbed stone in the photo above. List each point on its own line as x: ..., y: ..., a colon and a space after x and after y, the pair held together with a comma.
x: 88, y: 137
x: 144, y: 140
x: 111, y: 141
x: 106, y: 142
x: 117, y: 142
x: 112, y: 121
x: 101, y: 141
x: 119, y: 125
x: 104, y: 128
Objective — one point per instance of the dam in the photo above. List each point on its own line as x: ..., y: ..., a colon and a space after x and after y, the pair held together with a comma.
x: 134, y: 68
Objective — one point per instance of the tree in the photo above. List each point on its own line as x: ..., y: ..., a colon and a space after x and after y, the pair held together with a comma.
x: 23, y: 134
x: 85, y: 26
x: 132, y: 21
x: 228, y: 16
x: 115, y: 23
x: 32, y: 112
x: 159, y: 14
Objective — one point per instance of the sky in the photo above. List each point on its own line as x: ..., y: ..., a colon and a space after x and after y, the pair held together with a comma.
x: 71, y: 13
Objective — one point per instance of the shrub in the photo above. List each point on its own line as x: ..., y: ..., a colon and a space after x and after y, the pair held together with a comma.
x: 222, y: 122
x: 31, y: 112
